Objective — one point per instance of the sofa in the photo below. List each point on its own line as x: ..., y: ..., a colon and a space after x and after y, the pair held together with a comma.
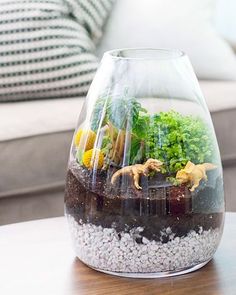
x: 35, y: 138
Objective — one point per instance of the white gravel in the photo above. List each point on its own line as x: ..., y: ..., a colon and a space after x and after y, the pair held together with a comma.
x: 102, y: 248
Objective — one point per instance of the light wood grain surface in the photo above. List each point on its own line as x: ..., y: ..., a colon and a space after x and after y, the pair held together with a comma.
x: 37, y: 258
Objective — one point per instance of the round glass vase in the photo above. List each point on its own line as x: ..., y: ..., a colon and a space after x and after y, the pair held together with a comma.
x: 144, y: 189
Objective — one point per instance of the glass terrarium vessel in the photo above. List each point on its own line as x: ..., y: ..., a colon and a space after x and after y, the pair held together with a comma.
x: 144, y: 190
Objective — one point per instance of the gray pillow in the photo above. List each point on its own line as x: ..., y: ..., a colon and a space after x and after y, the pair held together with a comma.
x: 47, y: 47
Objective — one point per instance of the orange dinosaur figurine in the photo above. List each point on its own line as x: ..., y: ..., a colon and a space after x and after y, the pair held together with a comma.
x: 194, y: 174
x: 135, y: 171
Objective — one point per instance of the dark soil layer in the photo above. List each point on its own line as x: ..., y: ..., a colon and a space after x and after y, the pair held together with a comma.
x: 91, y: 198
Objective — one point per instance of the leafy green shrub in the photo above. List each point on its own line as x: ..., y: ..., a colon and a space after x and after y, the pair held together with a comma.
x: 170, y: 137
x: 176, y: 139
x: 121, y: 111
x: 124, y: 113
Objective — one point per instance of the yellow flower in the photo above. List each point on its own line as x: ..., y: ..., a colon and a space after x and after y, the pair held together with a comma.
x: 85, y: 139
x: 93, y: 158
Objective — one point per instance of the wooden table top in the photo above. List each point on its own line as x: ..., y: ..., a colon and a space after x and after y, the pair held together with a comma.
x: 37, y: 258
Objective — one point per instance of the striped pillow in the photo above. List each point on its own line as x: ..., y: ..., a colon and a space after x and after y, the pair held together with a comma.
x: 47, y: 47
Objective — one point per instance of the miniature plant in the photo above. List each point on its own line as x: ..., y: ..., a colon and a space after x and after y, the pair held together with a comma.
x: 122, y: 116
x: 93, y: 158
x: 176, y: 139
x: 85, y: 139
x: 121, y: 111
x: 169, y: 137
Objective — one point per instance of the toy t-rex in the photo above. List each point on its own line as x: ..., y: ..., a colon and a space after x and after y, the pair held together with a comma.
x: 135, y: 171
x: 194, y: 174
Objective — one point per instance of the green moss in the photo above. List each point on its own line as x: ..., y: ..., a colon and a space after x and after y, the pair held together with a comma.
x: 176, y: 139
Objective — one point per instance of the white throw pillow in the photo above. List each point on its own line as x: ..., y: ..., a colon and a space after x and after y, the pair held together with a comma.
x: 181, y: 24
x: 226, y: 20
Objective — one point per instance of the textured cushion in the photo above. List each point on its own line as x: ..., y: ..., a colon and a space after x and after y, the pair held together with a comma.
x: 182, y: 24
x: 47, y: 47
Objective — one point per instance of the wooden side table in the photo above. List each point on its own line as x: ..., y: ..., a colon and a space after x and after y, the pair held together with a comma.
x: 37, y: 258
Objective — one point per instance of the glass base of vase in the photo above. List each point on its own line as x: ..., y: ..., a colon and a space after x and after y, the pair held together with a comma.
x: 153, y: 275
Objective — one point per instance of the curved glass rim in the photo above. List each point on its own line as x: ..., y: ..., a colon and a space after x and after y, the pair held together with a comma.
x: 142, y: 53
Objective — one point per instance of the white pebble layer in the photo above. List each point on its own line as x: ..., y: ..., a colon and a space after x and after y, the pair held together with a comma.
x: 104, y: 249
